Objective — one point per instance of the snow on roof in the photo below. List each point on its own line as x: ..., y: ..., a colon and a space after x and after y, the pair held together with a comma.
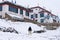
x: 40, y: 8
x: 15, y: 5
x: 53, y: 15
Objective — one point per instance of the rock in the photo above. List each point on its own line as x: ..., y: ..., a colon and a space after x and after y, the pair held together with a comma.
x: 40, y: 31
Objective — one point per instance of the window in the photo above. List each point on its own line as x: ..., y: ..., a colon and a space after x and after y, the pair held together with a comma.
x: 13, y: 9
x: 31, y: 16
x: 55, y: 17
x: 0, y: 16
x: 48, y: 16
x: 41, y: 14
x: 42, y: 20
x: 36, y: 15
x: 36, y: 20
x: 21, y: 11
x: 54, y: 20
x: 27, y: 13
x: 36, y: 9
x: 0, y: 8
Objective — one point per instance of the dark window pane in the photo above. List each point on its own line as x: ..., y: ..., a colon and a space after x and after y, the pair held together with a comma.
x: 54, y: 20
x: 36, y: 15
x: 27, y: 13
x: 41, y: 14
x: 13, y: 9
x: 31, y: 16
x: 47, y: 16
x: 36, y: 9
x: 0, y: 8
x: 36, y: 20
x: 42, y: 20
x: 21, y: 11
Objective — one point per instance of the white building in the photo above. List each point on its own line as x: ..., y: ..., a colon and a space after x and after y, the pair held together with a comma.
x: 35, y: 13
x: 42, y: 15
x: 13, y: 9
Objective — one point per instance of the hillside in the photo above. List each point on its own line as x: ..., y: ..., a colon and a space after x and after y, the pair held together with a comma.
x: 22, y: 28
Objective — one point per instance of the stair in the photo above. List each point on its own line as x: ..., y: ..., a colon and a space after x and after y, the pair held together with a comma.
x: 32, y: 21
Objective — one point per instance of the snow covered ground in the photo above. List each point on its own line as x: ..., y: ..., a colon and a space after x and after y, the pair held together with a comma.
x: 22, y: 28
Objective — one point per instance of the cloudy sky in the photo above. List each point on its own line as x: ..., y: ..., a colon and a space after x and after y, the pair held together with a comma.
x: 51, y: 5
